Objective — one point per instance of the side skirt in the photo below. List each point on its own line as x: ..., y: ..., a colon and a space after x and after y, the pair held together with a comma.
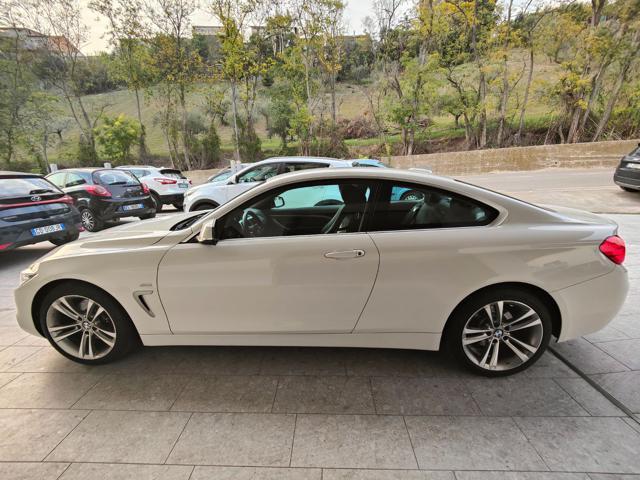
x: 413, y: 341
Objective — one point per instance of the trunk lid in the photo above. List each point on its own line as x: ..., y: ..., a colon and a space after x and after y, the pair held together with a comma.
x: 120, y: 183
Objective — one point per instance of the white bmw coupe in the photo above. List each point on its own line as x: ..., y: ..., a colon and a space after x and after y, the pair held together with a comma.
x: 337, y: 257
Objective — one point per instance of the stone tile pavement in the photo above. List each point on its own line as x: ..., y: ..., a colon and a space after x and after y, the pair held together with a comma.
x: 331, y: 414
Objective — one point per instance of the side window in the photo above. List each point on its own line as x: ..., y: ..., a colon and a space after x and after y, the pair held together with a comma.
x: 297, y: 166
x: 316, y: 208
x: 260, y: 173
x: 73, y: 180
x: 57, y: 179
x: 407, y: 206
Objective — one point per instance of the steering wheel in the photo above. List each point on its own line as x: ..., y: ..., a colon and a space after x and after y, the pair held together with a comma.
x: 254, y: 222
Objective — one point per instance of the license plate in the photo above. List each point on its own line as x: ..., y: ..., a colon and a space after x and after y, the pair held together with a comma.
x: 635, y: 166
x: 135, y: 206
x: 183, y: 185
x: 59, y: 227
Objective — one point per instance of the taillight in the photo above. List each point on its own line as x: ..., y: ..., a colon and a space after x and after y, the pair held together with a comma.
x: 166, y: 181
x: 614, y: 249
x: 97, y: 190
x: 5, y: 245
x: 67, y: 199
x: 145, y: 189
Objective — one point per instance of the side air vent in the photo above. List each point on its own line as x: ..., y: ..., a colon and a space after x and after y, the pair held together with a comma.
x: 139, y: 297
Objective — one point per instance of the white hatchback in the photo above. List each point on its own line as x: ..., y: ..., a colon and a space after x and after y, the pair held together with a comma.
x: 336, y: 257
x: 213, y: 194
x: 167, y: 186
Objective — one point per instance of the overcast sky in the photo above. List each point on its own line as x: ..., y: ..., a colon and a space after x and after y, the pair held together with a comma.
x: 355, y: 13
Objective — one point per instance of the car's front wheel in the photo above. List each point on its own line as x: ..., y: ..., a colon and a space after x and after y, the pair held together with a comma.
x: 85, y: 324
x: 500, y: 332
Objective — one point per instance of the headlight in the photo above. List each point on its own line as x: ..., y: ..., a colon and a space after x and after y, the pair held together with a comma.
x: 29, y: 273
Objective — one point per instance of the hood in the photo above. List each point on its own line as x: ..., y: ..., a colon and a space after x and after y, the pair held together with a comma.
x: 137, y: 234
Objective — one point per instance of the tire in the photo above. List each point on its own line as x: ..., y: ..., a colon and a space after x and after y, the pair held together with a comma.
x: 110, y: 333
x: 66, y: 239
x: 157, y: 201
x: 90, y: 221
x: 630, y: 190
x: 147, y: 216
x: 178, y: 206
x: 412, y: 195
x: 470, y: 321
x: 204, y: 206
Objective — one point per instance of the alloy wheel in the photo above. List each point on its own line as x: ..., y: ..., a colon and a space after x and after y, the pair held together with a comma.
x: 81, y: 327
x: 502, y: 335
x: 88, y: 220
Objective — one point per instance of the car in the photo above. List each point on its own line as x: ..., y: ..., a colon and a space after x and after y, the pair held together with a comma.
x: 225, y: 173
x: 485, y: 277
x: 211, y: 195
x: 627, y: 175
x: 166, y: 185
x: 104, y: 194
x: 33, y: 210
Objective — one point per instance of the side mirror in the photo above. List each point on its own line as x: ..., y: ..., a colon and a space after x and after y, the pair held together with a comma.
x: 207, y: 235
x: 278, y: 202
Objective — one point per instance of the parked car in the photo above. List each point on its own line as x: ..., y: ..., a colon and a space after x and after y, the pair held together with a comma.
x: 627, y: 174
x: 105, y: 194
x: 166, y: 185
x: 33, y: 210
x: 484, y: 276
x: 211, y: 195
x: 225, y: 173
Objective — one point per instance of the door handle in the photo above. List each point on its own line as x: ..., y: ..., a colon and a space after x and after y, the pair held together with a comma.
x: 345, y: 254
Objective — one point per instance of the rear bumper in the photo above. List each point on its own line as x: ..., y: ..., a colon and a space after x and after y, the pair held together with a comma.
x: 589, y: 306
x: 111, y: 209
x: 19, y: 234
x: 172, y: 198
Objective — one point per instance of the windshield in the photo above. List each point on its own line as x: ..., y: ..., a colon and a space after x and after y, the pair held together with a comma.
x: 221, y: 176
x: 24, y: 187
x: 177, y: 174
x: 115, y: 177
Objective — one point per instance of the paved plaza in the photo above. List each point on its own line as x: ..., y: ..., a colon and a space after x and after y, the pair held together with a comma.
x: 310, y: 413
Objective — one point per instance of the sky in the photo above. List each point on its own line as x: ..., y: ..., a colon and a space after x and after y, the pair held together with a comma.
x: 355, y: 12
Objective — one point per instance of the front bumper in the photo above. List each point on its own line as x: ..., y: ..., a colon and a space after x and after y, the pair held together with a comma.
x: 589, y: 306
x: 627, y: 177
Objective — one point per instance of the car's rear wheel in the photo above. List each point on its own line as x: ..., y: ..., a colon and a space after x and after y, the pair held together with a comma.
x: 148, y: 216
x: 178, y: 206
x: 630, y: 190
x: 157, y: 201
x: 204, y: 206
x: 85, y: 324
x: 90, y: 221
x: 500, y: 332
x: 66, y: 239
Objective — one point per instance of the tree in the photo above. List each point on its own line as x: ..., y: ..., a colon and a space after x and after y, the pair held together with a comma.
x: 176, y: 63
x: 62, y: 67
x: 129, y: 34
x: 116, y: 136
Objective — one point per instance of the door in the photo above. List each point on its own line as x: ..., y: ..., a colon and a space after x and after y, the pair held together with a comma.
x: 279, y: 267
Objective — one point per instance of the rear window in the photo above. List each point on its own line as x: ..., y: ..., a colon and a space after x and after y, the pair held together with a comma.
x: 115, y: 177
x: 23, y: 187
x: 177, y: 174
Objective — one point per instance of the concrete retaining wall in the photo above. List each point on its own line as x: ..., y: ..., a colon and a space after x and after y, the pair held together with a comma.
x: 578, y: 155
